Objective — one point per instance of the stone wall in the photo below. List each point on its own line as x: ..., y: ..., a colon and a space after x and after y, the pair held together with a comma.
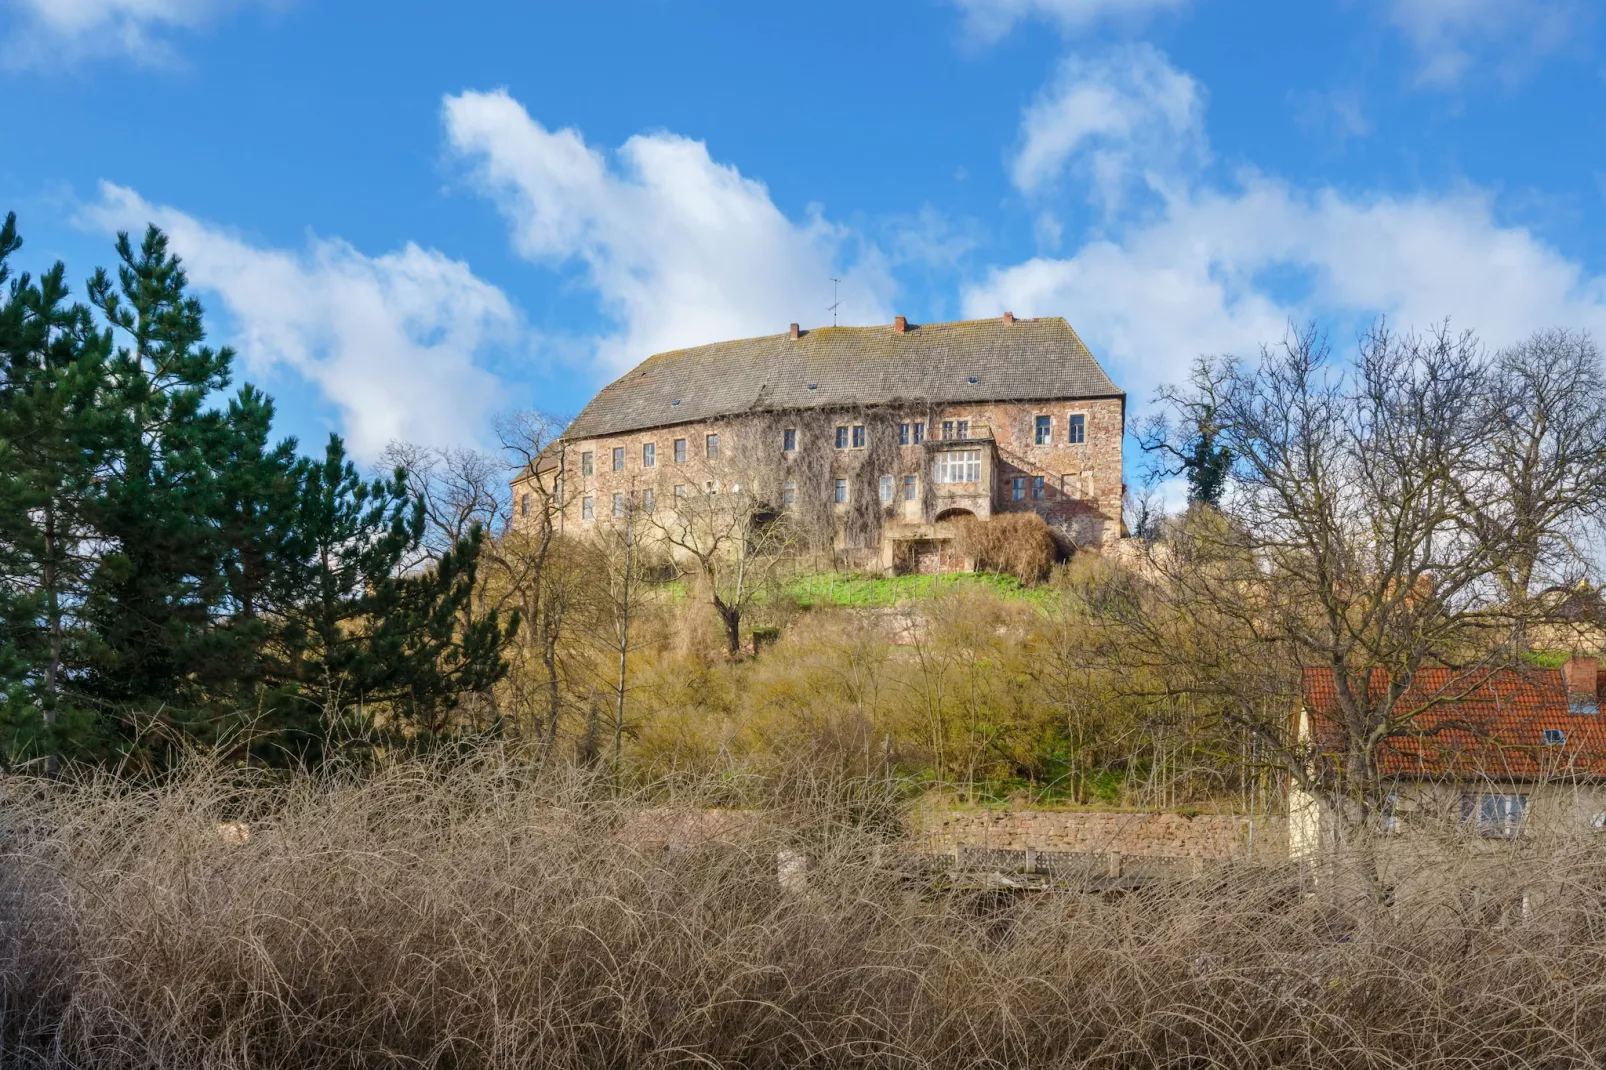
x: 1206, y: 836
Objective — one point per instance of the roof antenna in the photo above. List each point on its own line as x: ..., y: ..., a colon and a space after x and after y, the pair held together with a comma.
x: 835, y: 304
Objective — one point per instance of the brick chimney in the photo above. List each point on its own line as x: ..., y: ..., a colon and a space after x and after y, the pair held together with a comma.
x: 794, y: 332
x: 1009, y: 317
x: 900, y: 324
x: 1580, y: 675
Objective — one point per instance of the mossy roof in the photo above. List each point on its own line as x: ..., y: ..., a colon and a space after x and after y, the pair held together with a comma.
x: 832, y: 367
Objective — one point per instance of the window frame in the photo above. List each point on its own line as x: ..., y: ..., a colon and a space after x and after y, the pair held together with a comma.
x: 618, y: 458
x: 842, y: 436
x: 680, y: 451
x: 968, y: 463
x: 619, y: 505
x: 649, y: 455
x: 1039, y: 488
x: 839, y: 492
x: 1042, y: 430
x: 1076, y: 429
x: 789, y: 492
x: 788, y: 439
x: 911, y: 488
x: 1017, y: 488
x: 888, y: 490
x: 903, y: 434
x: 711, y: 446
x: 588, y: 462
x: 859, y: 436
x: 1495, y: 814
x: 588, y: 507
x: 920, y: 432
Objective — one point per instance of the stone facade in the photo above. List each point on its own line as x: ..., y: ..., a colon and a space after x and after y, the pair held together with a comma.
x: 1075, y: 486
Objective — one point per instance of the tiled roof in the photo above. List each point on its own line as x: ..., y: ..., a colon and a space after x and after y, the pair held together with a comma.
x: 1476, y: 723
x: 942, y: 363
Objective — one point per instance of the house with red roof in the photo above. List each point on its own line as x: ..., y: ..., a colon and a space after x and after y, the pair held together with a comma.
x: 1477, y: 753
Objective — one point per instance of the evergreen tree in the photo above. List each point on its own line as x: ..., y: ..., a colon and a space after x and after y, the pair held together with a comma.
x: 52, y: 436
x: 1207, y: 462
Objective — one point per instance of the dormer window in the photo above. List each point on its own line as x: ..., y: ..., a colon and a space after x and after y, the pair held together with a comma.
x: 1555, y: 737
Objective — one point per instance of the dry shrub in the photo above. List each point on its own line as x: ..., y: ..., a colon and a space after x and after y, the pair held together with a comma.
x: 480, y: 915
x: 1016, y: 544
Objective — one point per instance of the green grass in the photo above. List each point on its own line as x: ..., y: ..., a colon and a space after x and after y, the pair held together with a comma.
x: 832, y: 589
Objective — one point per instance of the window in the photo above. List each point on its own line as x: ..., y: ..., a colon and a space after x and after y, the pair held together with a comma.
x: 964, y: 429
x: 618, y: 458
x: 1043, y: 433
x: 1388, y: 817
x: 649, y: 454
x: 587, y: 507
x: 680, y: 451
x: 586, y: 463
x: 648, y: 499
x: 947, y: 429
x: 920, y: 433
x: 903, y: 434
x: 840, y: 494
x: 711, y: 446
x: 842, y: 438
x: 858, y: 436
x: 911, y: 488
x: 789, y: 493
x: 524, y: 505
x: 557, y: 488
x: 1555, y: 737
x: 1017, y: 489
x: 680, y: 490
x: 1078, y: 428
x: 886, y: 489
x: 789, y: 439
x: 1494, y: 815
x: 958, y: 467
x: 1037, y: 488
x: 618, y: 503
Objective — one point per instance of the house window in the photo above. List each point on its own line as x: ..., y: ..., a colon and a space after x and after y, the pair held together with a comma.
x: 711, y: 446
x: 618, y: 503
x: 858, y: 436
x: 947, y: 429
x: 1078, y: 429
x: 903, y: 434
x: 587, y: 507
x: 789, y: 493
x: 1494, y: 815
x: 680, y: 451
x: 842, y: 438
x: 618, y: 458
x: 920, y: 433
x: 524, y: 505
x: 649, y: 454
x: 911, y: 488
x: 1037, y: 488
x: 963, y: 429
x: 840, y: 494
x: 557, y: 487
x: 1017, y: 488
x: 680, y: 490
x: 960, y: 466
x: 648, y: 499
x: 1555, y: 737
x: 1043, y: 433
x: 1388, y: 816
x: 886, y: 489
x: 586, y: 463
x: 789, y: 439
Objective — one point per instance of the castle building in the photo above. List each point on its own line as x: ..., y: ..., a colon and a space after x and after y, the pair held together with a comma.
x: 878, y: 439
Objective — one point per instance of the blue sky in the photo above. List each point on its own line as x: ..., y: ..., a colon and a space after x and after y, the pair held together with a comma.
x: 411, y: 216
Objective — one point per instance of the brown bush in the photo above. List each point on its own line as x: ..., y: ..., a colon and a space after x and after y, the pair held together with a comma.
x: 475, y: 915
x: 1016, y: 544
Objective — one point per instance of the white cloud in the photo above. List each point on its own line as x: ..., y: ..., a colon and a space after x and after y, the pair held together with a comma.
x: 1221, y: 269
x: 991, y: 19
x: 1114, y: 119
x: 46, y: 31
x: 390, y: 340
x: 1450, y: 35
x: 679, y: 249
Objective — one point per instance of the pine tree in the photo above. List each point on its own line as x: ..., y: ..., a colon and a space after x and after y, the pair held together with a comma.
x: 52, y: 433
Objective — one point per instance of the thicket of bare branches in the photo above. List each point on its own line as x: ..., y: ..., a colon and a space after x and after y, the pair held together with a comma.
x: 481, y: 914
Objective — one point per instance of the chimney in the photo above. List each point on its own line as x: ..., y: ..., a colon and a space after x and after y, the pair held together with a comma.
x: 1009, y: 317
x: 900, y: 324
x: 1580, y: 675
x: 794, y: 332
